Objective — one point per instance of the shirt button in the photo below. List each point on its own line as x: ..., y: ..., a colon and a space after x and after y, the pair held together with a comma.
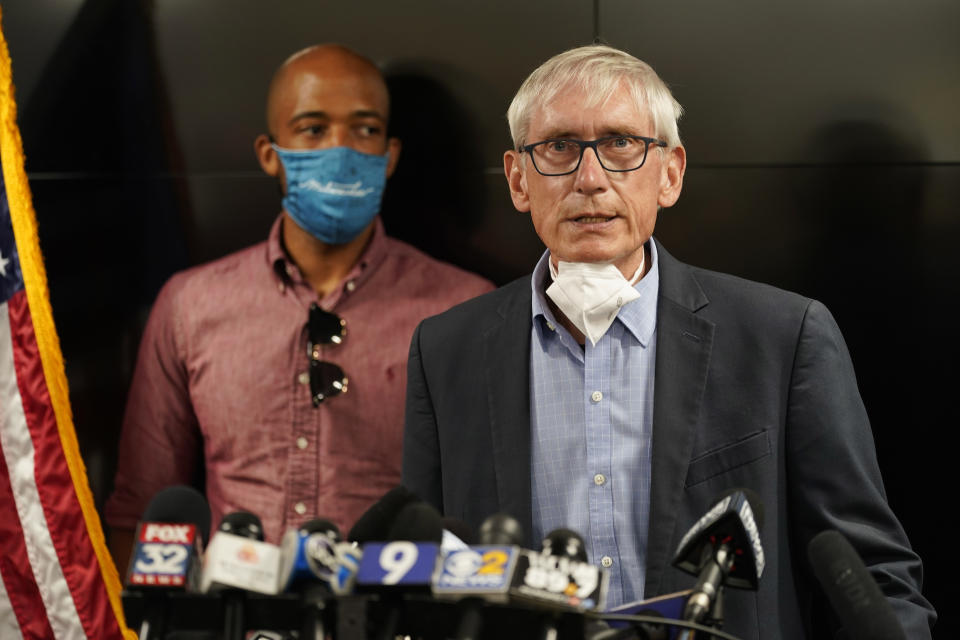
x: 606, y: 561
x: 351, y: 285
x: 599, y: 479
x: 596, y: 396
x: 300, y: 508
x: 302, y: 443
x: 304, y: 378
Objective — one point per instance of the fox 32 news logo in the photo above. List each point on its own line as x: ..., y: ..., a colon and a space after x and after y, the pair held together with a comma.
x: 162, y: 555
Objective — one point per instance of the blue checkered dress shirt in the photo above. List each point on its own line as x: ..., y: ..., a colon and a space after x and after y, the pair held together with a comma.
x: 591, y: 424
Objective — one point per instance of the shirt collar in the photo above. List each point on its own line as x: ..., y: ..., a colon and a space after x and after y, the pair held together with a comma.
x: 639, y: 317
x: 288, y: 274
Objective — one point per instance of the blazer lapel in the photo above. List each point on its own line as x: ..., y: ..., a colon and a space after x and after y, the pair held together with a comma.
x: 506, y: 371
x: 684, y: 342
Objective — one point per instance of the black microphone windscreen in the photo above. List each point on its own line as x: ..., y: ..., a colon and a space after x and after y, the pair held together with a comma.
x: 321, y: 525
x: 756, y: 505
x: 753, y: 499
x: 851, y: 590
x: 565, y: 543
x: 374, y: 525
x: 243, y: 524
x: 180, y: 504
x: 417, y: 522
x: 501, y: 528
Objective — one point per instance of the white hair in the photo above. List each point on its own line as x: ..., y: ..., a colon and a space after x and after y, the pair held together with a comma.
x: 598, y: 70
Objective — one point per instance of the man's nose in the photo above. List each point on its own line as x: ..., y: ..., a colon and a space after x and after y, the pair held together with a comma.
x: 591, y: 176
x: 339, y: 136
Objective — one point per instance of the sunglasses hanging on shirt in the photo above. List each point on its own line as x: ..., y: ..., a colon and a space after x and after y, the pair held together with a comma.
x: 326, y: 378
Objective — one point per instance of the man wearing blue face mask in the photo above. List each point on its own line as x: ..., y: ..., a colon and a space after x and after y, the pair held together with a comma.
x: 279, y: 371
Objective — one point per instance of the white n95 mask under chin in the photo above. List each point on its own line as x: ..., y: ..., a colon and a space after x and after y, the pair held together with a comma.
x: 590, y: 295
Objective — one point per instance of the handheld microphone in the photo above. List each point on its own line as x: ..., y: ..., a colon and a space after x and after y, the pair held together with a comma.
x: 565, y: 543
x: 169, y: 539
x: 405, y: 563
x: 566, y: 582
x: 307, y: 561
x: 408, y: 556
x: 237, y: 557
x: 165, y: 558
x: 238, y: 560
x: 305, y: 552
x: 374, y: 525
x: 480, y: 573
x: 314, y: 552
x: 722, y: 548
x: 501, y: 528
x: 560, y: 578
x: 851, y: 590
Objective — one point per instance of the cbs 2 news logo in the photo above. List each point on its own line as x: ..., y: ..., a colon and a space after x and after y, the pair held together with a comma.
x: 478, y: 567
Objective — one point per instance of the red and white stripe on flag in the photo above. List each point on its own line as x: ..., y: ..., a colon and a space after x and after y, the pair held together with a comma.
x: 56, y: 577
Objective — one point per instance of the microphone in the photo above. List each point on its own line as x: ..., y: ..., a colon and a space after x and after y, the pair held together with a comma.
x: 565, y: 543
x: 552, y: 577
x: 165, y: 558
x: 501, y: 528
x: 308, y: 559
x: 374, y: 525
x: 560, y: 578
x: 853, y: 593
x: 498, y: 571
x: 722, y: 548
x: 405, y: 563
x: 305, y: 552
x: 479, y: 573
x: 238, y: 560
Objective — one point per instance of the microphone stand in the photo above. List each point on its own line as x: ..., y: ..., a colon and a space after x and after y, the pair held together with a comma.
x: 713, y: 617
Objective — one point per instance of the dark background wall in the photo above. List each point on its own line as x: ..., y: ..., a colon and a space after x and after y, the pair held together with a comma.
x: 823, y: 140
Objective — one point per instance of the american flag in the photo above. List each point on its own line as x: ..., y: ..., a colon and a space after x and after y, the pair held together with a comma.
x: 56, y: 577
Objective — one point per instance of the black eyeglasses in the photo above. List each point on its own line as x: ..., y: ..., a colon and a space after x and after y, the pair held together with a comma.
x: 326, y: 378
x: 562, y: 156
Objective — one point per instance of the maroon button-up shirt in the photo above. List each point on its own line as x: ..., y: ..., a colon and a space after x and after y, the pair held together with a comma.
x: 222, y: 381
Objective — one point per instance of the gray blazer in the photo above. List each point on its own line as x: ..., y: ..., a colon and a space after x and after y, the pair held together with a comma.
x: 754, y: 388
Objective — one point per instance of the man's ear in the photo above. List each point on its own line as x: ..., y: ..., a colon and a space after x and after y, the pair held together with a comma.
x: 267, y: 156
x: 393, y: 148
x: 671, y: 176
x: 516, y: 175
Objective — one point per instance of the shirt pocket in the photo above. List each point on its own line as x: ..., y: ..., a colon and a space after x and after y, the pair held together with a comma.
x: 728, y: 457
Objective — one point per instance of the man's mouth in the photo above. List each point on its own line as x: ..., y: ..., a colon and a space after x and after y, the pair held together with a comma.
x: 593, y: 218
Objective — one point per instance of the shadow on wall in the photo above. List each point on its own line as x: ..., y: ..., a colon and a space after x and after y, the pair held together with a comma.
x: 436, y: 198
x: 112, y: 207
x: 865, y: 201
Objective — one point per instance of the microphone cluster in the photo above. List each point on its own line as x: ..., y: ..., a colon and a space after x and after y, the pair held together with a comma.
x: 403, y: 572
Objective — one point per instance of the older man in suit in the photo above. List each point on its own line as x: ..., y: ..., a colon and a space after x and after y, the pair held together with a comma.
x: 620, y: 392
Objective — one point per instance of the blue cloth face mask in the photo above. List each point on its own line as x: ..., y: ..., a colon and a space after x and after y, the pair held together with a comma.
x: 333, y: 194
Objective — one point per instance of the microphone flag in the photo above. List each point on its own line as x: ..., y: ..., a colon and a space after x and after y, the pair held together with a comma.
x: 57, y: 579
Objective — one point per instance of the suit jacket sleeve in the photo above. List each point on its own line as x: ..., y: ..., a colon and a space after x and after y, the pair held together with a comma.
x: 421, y: 449
x: 833, y: 478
